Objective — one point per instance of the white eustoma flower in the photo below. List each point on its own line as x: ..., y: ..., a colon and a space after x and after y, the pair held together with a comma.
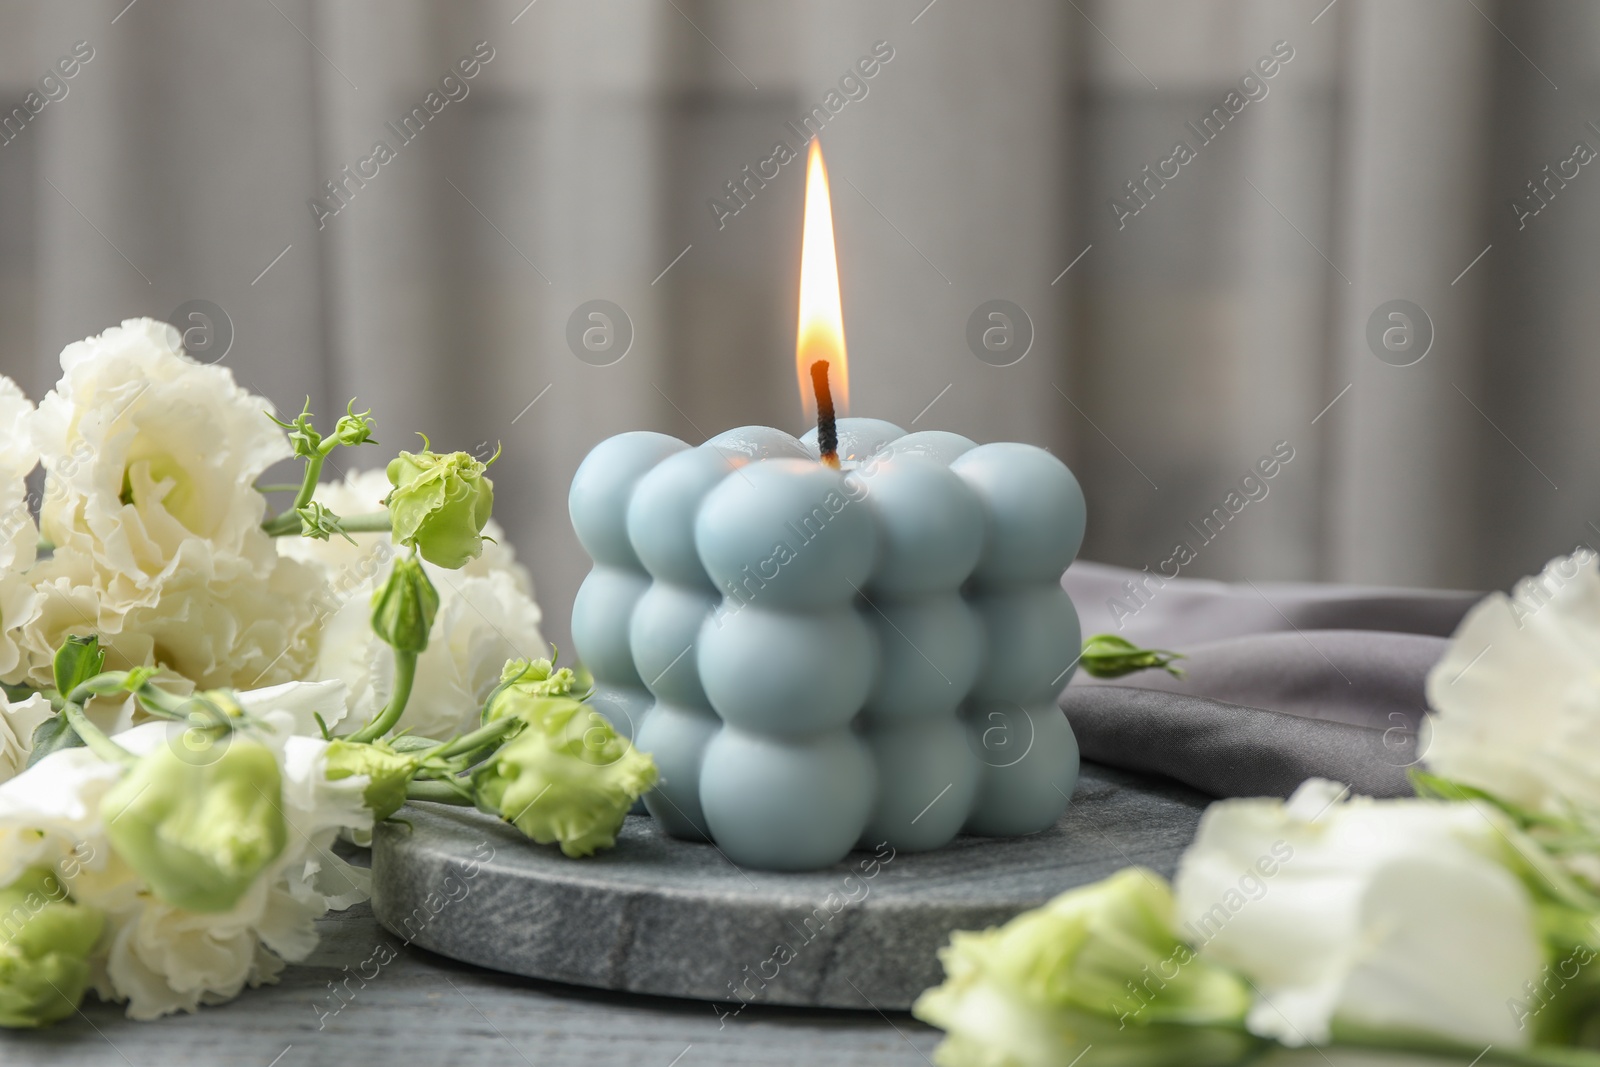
x: 18, y: 457
x: 159, y: 958
x: 1516, y: 699
x: 1395, y: 914
x: 146, y: 449
x: 227, y: 627
x: 18, y: 720
x: 19, y: 537
x: 50, y: 813
x: 163, y: 959
x: 487, y: 615
x: 151, y: 460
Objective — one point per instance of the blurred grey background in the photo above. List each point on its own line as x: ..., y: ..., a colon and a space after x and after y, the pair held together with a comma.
x: 1391, y: 158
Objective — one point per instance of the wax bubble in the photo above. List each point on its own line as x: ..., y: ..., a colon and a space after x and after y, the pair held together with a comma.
x: 930, y: 526
x: 940, y: 445
x: 661, y: 515
x: 927, y: 778
x: 786, y: 534
x: 787, y: 804
x: 1034, y: 512
x: 1033, y: 641
x: 758, y: 442
x: 676, y: 738
x: 931, y: 649
x: 600, y: 615
x: 662, y: 633
x: 1026, y: 790
x: 787, y: 673
x: 598, y: 500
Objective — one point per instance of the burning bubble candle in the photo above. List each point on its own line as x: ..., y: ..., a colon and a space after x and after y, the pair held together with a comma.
x: 845, y: 639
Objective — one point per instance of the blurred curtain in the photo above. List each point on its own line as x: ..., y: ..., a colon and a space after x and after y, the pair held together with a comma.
x: 1171, y: 348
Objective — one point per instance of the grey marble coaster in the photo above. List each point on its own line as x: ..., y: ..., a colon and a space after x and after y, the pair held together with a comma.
x: 660, y: 916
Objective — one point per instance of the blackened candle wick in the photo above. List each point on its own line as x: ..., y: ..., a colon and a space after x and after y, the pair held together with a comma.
x: 827, y: 428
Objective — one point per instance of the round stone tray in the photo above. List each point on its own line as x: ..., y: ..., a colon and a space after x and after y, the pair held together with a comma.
x: 656, y: 915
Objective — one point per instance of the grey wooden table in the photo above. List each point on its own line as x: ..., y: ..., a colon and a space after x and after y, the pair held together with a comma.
x: 425, y: 1009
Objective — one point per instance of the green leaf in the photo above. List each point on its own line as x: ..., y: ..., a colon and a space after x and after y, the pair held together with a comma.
x: 53, y: 735
x: 1435, y: 787
x: 412, y: 743
x: 79, y: 659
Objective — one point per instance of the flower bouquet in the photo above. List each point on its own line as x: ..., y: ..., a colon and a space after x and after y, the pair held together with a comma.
x: 200, y: 696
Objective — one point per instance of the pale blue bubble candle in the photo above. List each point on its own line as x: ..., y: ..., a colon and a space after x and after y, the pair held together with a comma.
x: 819, y: 659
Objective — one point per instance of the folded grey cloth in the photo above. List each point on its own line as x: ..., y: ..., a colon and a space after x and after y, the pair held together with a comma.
x: 1283, y: 682
x: 1189, y: 610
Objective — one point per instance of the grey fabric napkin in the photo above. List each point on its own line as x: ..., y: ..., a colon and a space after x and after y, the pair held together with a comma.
x: 1284, y: 681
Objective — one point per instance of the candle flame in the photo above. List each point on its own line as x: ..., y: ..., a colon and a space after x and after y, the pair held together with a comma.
x: 821, y: 332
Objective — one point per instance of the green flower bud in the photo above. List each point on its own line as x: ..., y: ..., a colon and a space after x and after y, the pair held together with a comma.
x: 522, y: 683
x: 1110, y: 656
x: 403, y: 609
x: 1099, y: 965
x: 567, y: 777
x: 76, y: 661
x: 354, y: 427
x: 439, y: 505
x: 319, y: 523
x: 199, y: 819
x: 45, y: 941
x: 538, y: 676
x: 303, y: 434
x: 388, y: 773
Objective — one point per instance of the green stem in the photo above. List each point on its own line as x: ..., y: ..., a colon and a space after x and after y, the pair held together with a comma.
x: 308, y: 484
x: 287, y: 524
x: 94, y: 737
x: 160, y: 702
x: 372, y: 522
x: 484, y: 735
x: 284, y: 524
x: 405, y: 673
x: 438, y: 793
